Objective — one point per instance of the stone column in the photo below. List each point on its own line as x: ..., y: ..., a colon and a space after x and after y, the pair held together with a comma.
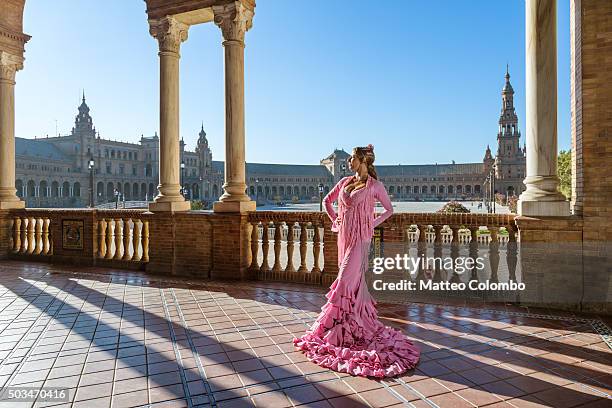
x: 542, y: 197
x: 234, y: 19
x: 9, y: 65
x: 170, y: 33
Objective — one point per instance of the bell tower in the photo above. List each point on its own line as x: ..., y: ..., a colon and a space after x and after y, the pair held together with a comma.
x: 510, y: 157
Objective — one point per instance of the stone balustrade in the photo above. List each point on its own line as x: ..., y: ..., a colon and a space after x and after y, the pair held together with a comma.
x: 122, y: 236
x: 287, y: 246
x: 30, y: 234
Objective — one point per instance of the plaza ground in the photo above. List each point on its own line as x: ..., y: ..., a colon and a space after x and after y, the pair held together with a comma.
x: 125, y: 339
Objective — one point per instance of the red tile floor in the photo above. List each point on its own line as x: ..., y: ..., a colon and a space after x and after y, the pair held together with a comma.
x: 121, y: 339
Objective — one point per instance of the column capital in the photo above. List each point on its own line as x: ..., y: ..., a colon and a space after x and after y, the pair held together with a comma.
x: 234, y: 20
x: 9, y: 65
x: 169, y: 32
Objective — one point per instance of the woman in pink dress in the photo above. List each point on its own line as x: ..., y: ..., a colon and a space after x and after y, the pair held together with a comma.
x: 347, y: 336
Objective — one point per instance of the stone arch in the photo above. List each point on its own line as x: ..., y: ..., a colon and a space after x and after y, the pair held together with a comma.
x: 151, y: 191
x: 110, y: 190
x: 100, y: 190
x: 65, y: 189
x: 31, y: 188
x: 19, y: 187
x: 135, y: 192
x: 76, y: 189
x: 43, y: 188
x: 127, y: 191
x: 55, y: 189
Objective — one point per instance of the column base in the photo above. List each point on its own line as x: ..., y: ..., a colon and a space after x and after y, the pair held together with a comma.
x: 233, y: 206
x: 543, y: 208
x: 11, y: 205
x: 169, y: 206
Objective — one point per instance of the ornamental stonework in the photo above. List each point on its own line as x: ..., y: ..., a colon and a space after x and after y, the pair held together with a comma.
x: 234, y: 20
x: 169, y: 32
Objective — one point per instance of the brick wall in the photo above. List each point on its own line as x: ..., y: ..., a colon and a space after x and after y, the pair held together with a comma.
x: 591, y: 57
x: 230, y: 246
x: 5, y: 231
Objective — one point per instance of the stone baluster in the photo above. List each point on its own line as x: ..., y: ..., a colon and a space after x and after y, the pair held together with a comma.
x: 494, y: 253
x: 454, y: 252
x: 110, y: 238
x: 136, y: 240
x: 16, y: 234
x: 290, y: 247
x: 127, y: 239
x: 118, y: 238
x: 473, y: 250
x: 38, y: 237
x: 303, y: 246
x: 316, y: 249
x: 437, y: 276
x: 254, y: 247
x: 46, y: 237
x: 145, y: 241
x: 422, y: 250
x: 31, y: 232
x: 265, y: 248
x: 511, y: 253
x: 24, y: 235
x: 102, y: 238
x: 276, y: 268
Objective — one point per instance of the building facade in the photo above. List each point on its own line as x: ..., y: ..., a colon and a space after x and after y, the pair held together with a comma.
x: 57, y: 171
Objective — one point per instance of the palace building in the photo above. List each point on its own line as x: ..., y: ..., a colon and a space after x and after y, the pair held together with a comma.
x: 56, y: 171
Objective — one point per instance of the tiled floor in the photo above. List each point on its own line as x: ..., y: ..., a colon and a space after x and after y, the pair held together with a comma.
x: 120, y: 339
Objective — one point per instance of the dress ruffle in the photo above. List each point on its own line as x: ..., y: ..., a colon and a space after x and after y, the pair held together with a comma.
x: 354, y: 341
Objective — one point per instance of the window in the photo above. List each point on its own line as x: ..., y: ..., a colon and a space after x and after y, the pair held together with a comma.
x: 121, y: 168
x: 134, y: 170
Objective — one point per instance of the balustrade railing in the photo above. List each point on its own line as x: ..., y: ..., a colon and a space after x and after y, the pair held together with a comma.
x: 489, y: 240
x: 122, y: 235
x: 118, y: 235
x: 31, y: 234
x: 287, y: 246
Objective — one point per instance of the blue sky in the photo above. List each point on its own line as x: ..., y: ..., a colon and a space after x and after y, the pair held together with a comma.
x: 419, y: 80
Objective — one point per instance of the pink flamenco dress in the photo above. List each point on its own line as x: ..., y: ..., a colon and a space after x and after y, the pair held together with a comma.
x: 347, y: 336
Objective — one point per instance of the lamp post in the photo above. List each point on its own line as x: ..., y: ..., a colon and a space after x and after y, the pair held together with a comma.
x: 182, y: 176
x: 116, y: 194
x: 320, y: 196
x: 256, y: 191
x: 91, y: 182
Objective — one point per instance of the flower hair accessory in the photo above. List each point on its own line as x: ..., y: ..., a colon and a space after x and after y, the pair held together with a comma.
x: 370, y: 147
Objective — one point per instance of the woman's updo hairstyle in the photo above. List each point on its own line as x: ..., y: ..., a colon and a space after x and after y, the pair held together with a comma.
x: 366, y: 155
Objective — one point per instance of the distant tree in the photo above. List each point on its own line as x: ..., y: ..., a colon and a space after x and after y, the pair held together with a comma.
x: 453, y: 207
x: 564, y: 172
